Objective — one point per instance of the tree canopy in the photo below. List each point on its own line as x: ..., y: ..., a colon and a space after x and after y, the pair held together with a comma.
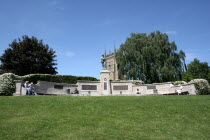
x: 150, y: 58
x: 197, y: 70
x: 28, y: 56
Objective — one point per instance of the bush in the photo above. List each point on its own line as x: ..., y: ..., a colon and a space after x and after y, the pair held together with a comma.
x: 137, y: 82
x: 201, y: 85
x: 179, y: 82
x: 55, y: 78
x: 7, y: 84
x: 209, y: 90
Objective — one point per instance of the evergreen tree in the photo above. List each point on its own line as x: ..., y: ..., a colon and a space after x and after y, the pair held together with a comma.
x: 28, y: 56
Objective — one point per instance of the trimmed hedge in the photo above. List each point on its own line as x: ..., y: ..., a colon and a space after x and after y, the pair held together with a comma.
x: 55, y: 78
x: 7, y: 84
x: 179, y: 82
x: 137, y: 82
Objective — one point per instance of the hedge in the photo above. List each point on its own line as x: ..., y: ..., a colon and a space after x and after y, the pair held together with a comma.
x: 179, y: 82
x: 55, y: 78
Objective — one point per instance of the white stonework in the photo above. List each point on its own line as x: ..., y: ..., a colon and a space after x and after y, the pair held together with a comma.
x: 105, y: 87
x: 120, y: 85
x: 104, y: 82
x: 18, y: 88
x: 89, y: 91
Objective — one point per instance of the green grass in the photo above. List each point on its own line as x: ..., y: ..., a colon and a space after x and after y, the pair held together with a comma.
x: 105, y: 118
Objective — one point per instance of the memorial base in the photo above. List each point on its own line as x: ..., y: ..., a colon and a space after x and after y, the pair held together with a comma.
x: 105, y: 82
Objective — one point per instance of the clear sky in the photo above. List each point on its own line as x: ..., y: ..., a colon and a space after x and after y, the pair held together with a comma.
x: 80, y: 30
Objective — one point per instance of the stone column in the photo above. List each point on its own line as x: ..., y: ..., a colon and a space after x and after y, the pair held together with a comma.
x: 104, y: 82
x: 18, y: 84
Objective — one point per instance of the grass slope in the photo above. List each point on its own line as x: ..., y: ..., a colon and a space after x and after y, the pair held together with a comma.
x: 105, y: 118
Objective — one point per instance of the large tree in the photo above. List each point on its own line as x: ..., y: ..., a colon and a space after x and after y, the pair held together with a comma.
x: 197, y: 70
x: 28, y: 56
x: 150, y: 58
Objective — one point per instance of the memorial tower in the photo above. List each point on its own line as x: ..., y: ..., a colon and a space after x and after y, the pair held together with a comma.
x: 111, y: 65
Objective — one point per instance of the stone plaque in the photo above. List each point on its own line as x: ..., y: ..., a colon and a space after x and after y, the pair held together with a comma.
x: 122, y: 87
x: 105, y: 85
x: 151, y: 87
x: 58, y: 86
x: 89, y: 87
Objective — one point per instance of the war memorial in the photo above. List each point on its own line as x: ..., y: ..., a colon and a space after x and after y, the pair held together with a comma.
x: 109, y: 85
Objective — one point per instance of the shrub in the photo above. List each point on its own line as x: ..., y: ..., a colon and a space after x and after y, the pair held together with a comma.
x: 179, y: 82
x: 137, y: 82
x: 7, y: 84
x: 55, y: 78
x: 209, y: 89
x: 187, y: 77
x: 201, y: 85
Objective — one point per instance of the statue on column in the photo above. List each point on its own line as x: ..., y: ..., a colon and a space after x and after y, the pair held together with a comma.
x: 103, y: 61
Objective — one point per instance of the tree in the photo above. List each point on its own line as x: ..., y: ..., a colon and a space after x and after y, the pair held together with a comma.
x: 197, y: 70
x: 182, y: 56
x: 150, y: 58
x: 28, y: 56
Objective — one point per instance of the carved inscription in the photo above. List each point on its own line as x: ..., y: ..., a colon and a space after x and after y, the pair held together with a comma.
x: 105, y: 85
x: 151, y: 87
x: 58, y: 86
x: 122, y: 87
x: 89, y: 87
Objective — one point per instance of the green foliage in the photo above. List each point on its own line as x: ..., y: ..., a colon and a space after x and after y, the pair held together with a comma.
x: 7, y: 85
x: 55, y: 78
x: 137, y: 82
x: 179, y: 82
x: 150, y: 58
x: 186, y: 76
x: 208, y: 76
x: 28, y: 56
x: 201, y: 85
x: 105, y: 118
x: 197, y: 70
x: 182, y: 56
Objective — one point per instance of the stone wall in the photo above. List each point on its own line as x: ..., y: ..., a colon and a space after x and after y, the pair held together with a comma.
x: 89, y: 87
x: 121, y: 87
x: 95, y: 88
x: 163, y: 88
x: 20, y: 90
x: 54, y: 88
x: 190, y: 88
x: 142, y: 89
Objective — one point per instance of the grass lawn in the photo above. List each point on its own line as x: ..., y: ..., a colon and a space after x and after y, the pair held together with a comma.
x: 105, y: 118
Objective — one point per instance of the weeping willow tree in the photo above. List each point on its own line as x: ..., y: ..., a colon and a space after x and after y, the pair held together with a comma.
x: 150, y: 58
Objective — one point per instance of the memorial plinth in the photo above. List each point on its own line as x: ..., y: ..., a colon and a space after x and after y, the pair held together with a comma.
x: 105, y: 82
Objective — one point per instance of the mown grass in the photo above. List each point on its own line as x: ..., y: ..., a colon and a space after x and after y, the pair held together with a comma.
x: 105, y: 118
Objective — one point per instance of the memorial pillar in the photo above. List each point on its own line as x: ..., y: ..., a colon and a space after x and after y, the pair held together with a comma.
x: 105, y: 82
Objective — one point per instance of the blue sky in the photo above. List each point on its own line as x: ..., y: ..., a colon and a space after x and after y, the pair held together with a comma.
x: 80, y: 30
